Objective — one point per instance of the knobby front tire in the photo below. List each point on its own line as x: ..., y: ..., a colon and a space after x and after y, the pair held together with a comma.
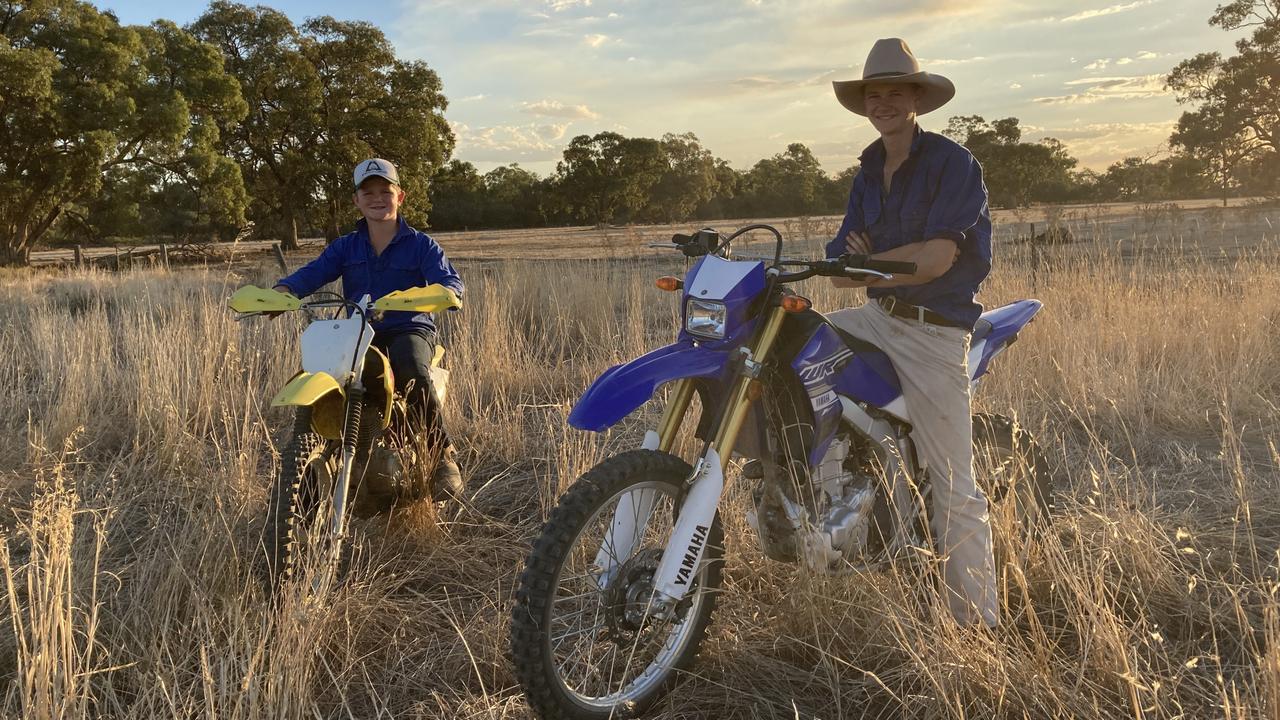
x: 306, y: 476
x: 585, y: 653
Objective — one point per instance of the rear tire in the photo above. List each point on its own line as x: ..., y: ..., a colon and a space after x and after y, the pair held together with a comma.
x: 569, y: 539
x: 1013, y: 472
x: 1010, y: 465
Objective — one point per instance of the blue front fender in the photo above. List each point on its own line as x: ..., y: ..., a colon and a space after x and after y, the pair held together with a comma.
x: 623, y: 388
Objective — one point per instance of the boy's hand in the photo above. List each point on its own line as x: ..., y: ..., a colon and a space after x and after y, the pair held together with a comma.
x: 857, y: 243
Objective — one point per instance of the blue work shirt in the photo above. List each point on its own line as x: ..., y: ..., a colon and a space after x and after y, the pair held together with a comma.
x: 936, y: 193
x: 413, y: 259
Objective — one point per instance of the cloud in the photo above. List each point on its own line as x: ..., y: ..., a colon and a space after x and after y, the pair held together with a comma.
x: 1147, y: 55
x: 471, y: 98
x: 555, y: 108
x: 595, y: 40
x: 1109, y: 88
x: 562, y: 5
x: 500, y: 142
x: 1100, y: 64
x: 756, y: 82
x: 1098, y: 145
x: 1015, y: 86
x: 1112, y: 10
x: 925, y: 63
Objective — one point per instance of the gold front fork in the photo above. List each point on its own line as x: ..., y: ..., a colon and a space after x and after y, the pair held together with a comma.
x: 736, y: 410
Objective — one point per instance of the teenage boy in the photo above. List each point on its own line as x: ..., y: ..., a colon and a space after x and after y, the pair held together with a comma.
x: 919, y: 197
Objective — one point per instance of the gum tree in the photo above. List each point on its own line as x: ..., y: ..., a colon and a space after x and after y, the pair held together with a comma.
x: 82, y: 97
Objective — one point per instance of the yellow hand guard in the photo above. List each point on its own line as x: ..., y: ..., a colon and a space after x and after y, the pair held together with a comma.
x: 428, y: 299
x: 252, y: 298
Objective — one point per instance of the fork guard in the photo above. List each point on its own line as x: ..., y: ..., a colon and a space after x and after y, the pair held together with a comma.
x: 623, y: 388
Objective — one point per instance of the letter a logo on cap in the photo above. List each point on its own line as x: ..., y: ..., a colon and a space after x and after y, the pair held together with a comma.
x: 376, y: 167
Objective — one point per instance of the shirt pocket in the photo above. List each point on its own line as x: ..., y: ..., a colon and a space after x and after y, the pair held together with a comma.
x: 914, y: 217
x: 355, y: 276
x: 402, y: 275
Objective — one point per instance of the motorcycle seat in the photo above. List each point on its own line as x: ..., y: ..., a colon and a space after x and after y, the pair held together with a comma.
x: 981, y: 330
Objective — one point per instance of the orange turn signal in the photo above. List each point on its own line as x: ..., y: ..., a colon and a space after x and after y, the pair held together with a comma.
x: 796, y: 303
x: 668, y: 283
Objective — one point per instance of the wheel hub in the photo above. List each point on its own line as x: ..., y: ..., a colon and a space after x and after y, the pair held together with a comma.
x: 627, y: 597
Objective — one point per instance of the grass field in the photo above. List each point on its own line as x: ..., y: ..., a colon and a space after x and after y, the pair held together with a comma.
x: 137, y: 444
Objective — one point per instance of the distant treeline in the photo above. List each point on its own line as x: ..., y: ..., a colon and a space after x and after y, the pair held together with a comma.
x: 192, y: 133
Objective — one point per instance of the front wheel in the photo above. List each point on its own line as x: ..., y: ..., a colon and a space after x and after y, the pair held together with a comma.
x: 307, y: 474
x: 583, y: 641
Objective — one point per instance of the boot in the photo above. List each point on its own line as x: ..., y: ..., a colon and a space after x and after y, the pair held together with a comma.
x: 446, y: 479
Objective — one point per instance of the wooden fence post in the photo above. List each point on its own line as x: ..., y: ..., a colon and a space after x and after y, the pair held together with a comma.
x: 164, y: 256
x: 284, y: 267
x: 79, y: 257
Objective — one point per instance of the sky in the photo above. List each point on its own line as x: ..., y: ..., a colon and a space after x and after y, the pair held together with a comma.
x: 748, y: 77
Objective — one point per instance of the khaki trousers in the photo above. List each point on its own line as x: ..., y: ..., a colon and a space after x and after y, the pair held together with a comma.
x: 931, y: 362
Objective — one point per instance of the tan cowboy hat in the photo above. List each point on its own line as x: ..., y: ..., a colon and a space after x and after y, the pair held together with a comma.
x: 891, y: 61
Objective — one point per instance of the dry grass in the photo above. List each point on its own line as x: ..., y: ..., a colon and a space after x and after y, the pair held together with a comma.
x: 136, y: 445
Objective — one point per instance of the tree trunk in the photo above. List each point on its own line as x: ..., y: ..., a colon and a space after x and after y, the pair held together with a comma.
x: 15, y: 248
x: 333, y: 231
x: 291, y: 231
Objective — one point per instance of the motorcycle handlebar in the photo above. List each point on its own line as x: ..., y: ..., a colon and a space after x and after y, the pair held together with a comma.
x: 849, y: 266
x: 891, y: 266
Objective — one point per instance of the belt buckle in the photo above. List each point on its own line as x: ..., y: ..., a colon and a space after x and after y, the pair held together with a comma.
x: 888, y: 302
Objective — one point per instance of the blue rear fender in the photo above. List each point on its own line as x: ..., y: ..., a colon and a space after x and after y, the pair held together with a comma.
x: 1006, y: 321
x: 623, y: 388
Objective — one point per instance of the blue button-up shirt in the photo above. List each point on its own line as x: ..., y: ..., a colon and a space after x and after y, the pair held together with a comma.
x: 413, y: 259
x: 936, y: 193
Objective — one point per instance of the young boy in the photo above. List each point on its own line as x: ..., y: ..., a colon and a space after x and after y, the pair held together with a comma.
x: 383, y: 255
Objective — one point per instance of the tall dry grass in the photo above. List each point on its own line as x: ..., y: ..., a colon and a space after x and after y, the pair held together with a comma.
x: 136, y: 444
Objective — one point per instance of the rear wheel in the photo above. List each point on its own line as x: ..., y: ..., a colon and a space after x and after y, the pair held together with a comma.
x: 586, y: 651
x: 1014, y: 473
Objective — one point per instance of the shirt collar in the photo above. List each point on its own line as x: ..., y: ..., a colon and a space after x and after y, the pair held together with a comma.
x: 403, y: 229
x: 872, y: 156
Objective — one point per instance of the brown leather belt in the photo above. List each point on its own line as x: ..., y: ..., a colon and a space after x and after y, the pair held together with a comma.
x: 907, y: 311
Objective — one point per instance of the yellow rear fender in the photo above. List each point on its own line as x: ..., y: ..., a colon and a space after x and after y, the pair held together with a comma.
x: 252, y: 298
x: 432, y: 298
x: 320, y: 392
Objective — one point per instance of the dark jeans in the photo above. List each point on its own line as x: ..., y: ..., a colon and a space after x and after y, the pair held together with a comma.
x: 410, y: 354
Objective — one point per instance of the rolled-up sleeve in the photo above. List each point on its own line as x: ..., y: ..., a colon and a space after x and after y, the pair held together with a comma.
x: 315, y: 274
x: 960, y: 199
x: 853, y: 218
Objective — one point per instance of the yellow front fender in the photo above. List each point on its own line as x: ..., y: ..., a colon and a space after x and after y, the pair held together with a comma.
x: 320, y: 392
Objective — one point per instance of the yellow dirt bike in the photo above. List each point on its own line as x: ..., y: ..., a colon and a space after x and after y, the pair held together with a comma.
x: 344, y: 455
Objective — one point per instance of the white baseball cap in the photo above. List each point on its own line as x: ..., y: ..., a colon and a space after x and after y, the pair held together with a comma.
x: 376, y: 167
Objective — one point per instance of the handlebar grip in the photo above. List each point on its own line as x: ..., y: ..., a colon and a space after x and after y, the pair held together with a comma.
x: 891, y: 266
x: 681, y: 239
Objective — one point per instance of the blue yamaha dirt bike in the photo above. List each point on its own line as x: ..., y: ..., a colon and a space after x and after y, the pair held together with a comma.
x: 619, y: 588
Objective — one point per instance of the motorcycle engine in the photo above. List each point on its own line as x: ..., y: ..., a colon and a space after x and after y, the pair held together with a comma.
x: 826, y: 521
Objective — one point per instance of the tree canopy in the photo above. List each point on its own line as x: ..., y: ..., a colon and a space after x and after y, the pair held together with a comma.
x: 244, y: 116
x: 88, y: 103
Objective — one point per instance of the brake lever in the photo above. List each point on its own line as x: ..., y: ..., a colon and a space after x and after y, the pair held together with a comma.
x: 241, y: 317
x: 869, y: 273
